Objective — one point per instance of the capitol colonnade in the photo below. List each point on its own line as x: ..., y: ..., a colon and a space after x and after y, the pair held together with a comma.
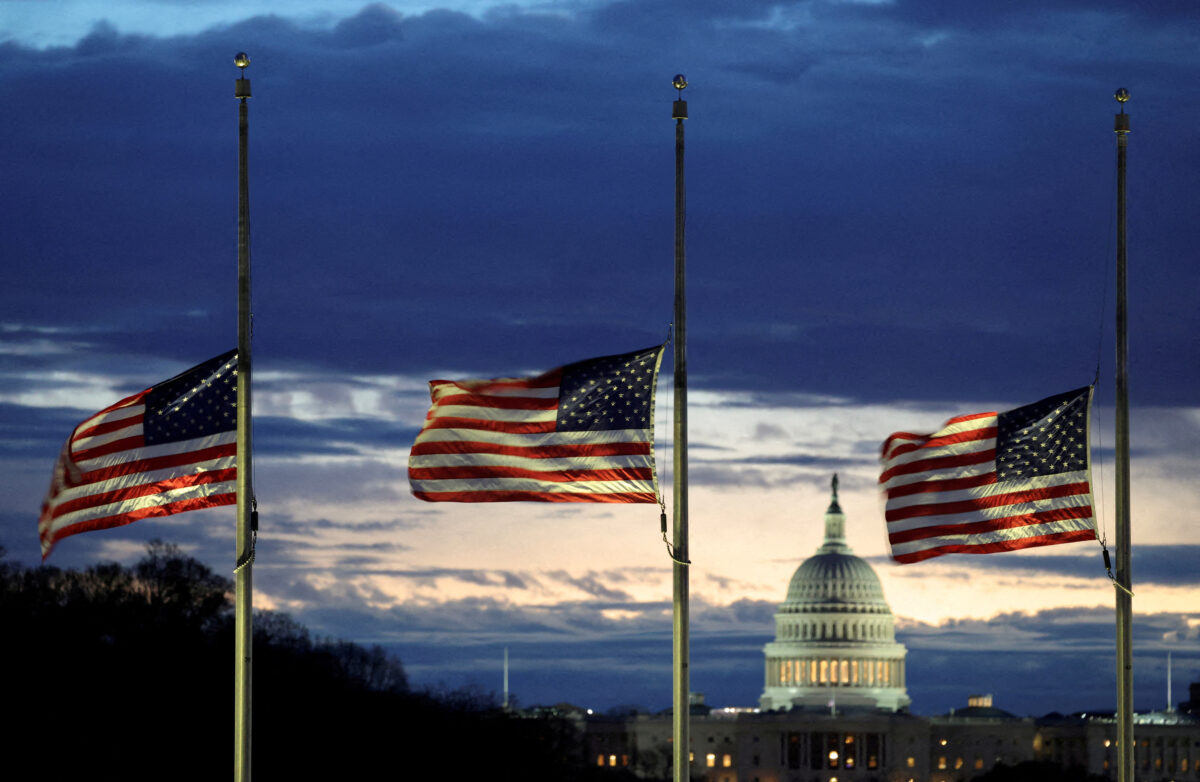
x: 835, y: 672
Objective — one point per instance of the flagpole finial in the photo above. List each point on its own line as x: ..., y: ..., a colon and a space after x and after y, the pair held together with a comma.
x: 1121, y: 124
x: 679, y: 110
x: 242, y: 88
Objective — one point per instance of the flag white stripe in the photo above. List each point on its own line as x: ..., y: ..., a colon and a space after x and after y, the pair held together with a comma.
x: 141, y: 503
x: 940, y: 451
x: 960, y: 427
x: 487, y: 388
x: 997, y: 536
x: 969, y: 471
x: 989, y: 514
x: 554, y: 464
x: 989, y: 490
x: 472, y: 412
x: 154, y: 451
x: 95, y: 441
x: 134, y: 480
x: 537, y: 439
x: 532, y: 485
x: 116, y: 414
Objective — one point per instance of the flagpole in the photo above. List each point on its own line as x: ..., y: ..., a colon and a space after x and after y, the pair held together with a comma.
x: 1124, y: 583
x: 680, y: 658
x: 246, y: 514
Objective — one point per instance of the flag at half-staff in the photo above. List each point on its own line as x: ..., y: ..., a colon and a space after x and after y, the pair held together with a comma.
x: 991, y: 482
x: 168, y: 449
x: 583, y: 432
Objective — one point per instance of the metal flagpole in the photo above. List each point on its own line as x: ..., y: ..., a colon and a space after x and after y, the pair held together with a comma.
x: 680, y: 700
x: 1125, y: 745
x: 247, y: 516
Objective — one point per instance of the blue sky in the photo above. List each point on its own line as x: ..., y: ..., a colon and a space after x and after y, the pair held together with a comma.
x: 897, y: 212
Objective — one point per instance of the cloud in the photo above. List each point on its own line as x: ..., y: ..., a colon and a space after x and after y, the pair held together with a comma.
x: 1160, y: 565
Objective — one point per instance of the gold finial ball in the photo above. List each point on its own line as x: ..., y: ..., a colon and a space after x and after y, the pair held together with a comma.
x: 1121, y: 95
x: 679, y: 82
x: 241, y: 59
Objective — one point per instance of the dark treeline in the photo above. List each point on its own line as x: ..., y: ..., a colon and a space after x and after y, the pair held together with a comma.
x: 126, y: 673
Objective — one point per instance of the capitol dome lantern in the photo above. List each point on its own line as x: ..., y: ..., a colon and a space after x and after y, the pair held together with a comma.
x: 835, y: 643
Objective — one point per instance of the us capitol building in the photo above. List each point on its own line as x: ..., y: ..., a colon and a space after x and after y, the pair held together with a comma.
x: 835, y: 641
x: 834, y: 707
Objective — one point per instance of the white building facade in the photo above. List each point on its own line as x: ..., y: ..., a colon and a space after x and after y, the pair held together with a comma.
x: 835, y: 641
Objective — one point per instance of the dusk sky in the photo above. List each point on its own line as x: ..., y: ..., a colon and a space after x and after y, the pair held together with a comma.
x: 898, y: 212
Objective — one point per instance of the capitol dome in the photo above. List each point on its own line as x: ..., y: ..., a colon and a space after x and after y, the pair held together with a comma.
x: 835, y: 643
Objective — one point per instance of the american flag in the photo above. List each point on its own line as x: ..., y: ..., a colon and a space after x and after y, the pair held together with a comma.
x: 583, y: 432
x: 991, y: 482
x: 168, y: 449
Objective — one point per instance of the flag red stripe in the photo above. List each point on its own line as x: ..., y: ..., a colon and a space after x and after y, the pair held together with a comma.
x: 157, y: 463
x: 937, y: 487
x: 962, y: 419
x: 1071, y: 536
x: 121, y: 519
x: 143, y: 490
x: 532, y: 496
x: 116, y: 446
x: 531, y: 452
x: 992, y: 501
x: 939, y: 463
x: 501, y: 402
x: 104, y: 427
x: 545, y: 380
x: 971, y: 435
x: 555, y: 476
x: 992, y: 525
x: 508, y: 427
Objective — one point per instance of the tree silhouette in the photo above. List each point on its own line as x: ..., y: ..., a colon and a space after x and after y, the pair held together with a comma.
x: 126, y: 673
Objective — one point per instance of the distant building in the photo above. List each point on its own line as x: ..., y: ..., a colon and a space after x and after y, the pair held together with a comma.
x: 834, y: 707
x: 835, y: 639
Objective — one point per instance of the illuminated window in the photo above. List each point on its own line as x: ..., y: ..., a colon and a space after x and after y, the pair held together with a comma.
x: 978, y: 762
x: 845, y: 672
x: 958, y: 763
x: 710, y: 760
x: 612, y: 760
x: 824, y: 671
x: 691, y: 757
x: 599, y: 760
x: 873, y: 750
x: 910, y: 761
x: 727, y: 760
x: 942, y: 762
x: 624, y: 760
x: 854, y: 672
